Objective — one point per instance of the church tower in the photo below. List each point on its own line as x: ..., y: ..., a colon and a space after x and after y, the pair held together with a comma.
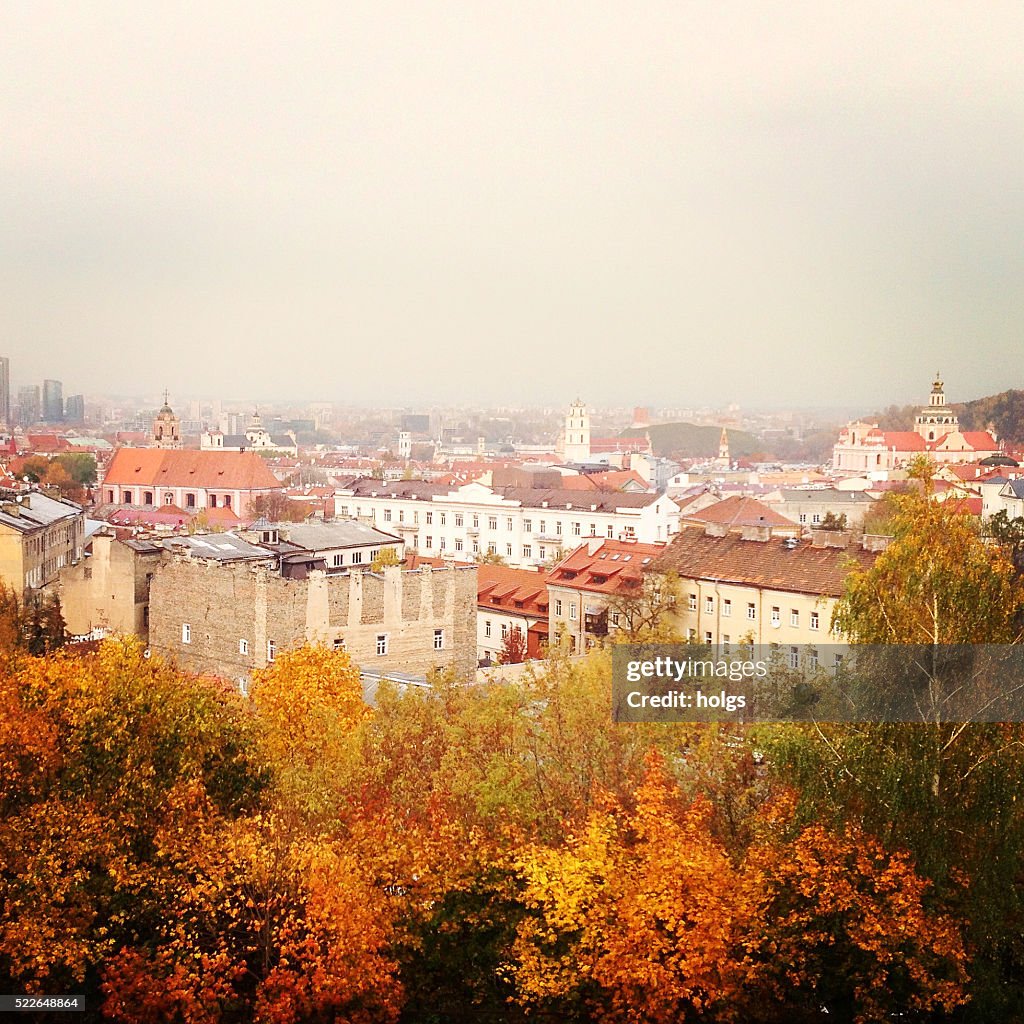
x: 576, y: 436
x: 723, y: 461
x: 936, y: 418
x: 166, y: 427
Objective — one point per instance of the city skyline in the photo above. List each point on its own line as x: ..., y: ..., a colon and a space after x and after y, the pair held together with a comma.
x: 331, y: 204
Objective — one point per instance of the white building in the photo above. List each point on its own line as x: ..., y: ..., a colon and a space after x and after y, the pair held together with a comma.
x: 574, y: 444
x: 525, y: 526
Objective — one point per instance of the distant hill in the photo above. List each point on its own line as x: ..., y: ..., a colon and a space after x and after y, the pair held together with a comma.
x: 687, y: 440
x: 1004, y: 412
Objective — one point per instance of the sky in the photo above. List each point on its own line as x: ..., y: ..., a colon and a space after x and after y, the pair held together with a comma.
x: 656, y: 203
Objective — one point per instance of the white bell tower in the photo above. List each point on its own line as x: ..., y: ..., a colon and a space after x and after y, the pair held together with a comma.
x: 576, y: 436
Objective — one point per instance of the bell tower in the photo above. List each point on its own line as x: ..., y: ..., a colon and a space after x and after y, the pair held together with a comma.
x: 936, y: 419
x: 166, y: 427
x: 576, y: 436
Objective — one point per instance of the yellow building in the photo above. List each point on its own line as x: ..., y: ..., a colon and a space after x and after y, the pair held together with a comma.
x: 753, y: 586
x: 40, y: 534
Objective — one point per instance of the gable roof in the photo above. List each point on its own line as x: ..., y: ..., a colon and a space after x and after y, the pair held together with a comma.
x: 741, y: 511
x: 614, y: 567
x: 157, y: 467
x: 771, y: 564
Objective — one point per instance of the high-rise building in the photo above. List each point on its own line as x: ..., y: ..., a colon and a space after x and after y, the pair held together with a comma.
x: 53, y: 401
x: 74, y: 409
x: 28, y: 405
x: 5, y: 392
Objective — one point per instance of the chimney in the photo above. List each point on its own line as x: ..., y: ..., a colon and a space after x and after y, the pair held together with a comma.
x: 830, y: 538
x: 756, y: 533
x: 875, y: 542
x: 593, y: 545
x: 715, y: 529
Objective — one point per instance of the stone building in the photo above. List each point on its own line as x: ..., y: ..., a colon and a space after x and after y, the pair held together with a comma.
x: 229, y: 619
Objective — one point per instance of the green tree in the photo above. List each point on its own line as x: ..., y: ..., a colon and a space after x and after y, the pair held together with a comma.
x: 385, y: 557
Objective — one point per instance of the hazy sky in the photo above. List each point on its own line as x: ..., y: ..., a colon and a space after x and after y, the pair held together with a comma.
x: 813, y: 203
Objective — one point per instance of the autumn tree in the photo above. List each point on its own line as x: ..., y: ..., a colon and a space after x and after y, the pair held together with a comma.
x: 385, y: 557
x: 513, y: 647
x: 307, y: 702
x: 644, y: 611
x: 944, y: 791
x: 277, y: 508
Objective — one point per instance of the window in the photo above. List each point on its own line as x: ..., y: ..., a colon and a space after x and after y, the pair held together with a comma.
x: 443, y: 518
x: 839, y: 662
x: 814, y: 620
x: 357, y: 557
x: 803, y: 517
x: 541, y: 552
x: 440, y: 544
x: 387, y: 515
x: 487, y: 627
x: 190, y: 501
x: 147, y: 497
x: 508, y: 523
x: 382, y: 644
x: 492, y: 522
x: 339, y: 560
x: 476, y: 520
x: 458, y: 543
x: 593, y: 530
x: 616, y: 616
x: 610, y: 531
x: 186, y: 633
x: 691, y: 634
x: 794, y: 657
x: 416, y: 517
x: 271, y: 650
x: 339, y: 643
x: 815, y: 519
x: 726, y: 640
x: 576, y: 530
x: 476, y: 547
x: 709, y: 604
x: 429, y: 517
x: 458, y: 518
x: 543, y: 527
x: 558, y: 528
x: 812, y: 659
x: 691, y: 602
x: 168, y: 498
x: 776, y: 616
x: 243, y: 646
x: 110, y: 497
x: 492, y: 548
x: 504, y: 630
x: 794, y: 617
x: 438, y: 639
x: 527, y: 551
x: 227, y: 501
x: 401, y: 515
x: 707, y: 637
x: 751, y: 610
x: 429, y: 541
x: 528, y: 525
x: 726, y: 606
x: 572, y: 609
x: 558, y: 606
x: 126, y: 497
x: 508, y: 550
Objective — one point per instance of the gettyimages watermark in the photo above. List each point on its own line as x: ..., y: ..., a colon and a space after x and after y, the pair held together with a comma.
x: 749, y: 683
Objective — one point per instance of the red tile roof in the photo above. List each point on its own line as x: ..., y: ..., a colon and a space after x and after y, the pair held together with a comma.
x: 771, y: 565
x: 739, y: 511
x: 613, y: 480
x: 616, y: 567
x: 517, y: 591
x: 904, y: 440
x: 155, y: 467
